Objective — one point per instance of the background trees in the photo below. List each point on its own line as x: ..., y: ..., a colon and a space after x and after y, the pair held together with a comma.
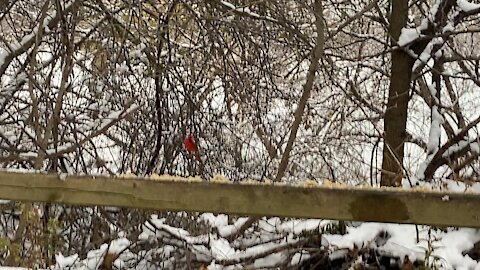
x: 114, y: 87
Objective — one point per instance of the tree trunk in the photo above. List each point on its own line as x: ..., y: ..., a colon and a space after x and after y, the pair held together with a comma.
x: 398, y: 96
x: 317, y: 54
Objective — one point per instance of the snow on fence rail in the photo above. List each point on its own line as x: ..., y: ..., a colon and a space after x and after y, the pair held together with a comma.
x: 340, y: 203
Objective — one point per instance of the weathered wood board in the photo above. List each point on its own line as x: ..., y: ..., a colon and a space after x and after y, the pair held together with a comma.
x: 381, y: 205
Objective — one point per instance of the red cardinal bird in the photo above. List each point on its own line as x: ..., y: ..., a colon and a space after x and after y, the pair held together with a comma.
x: 191, y: 146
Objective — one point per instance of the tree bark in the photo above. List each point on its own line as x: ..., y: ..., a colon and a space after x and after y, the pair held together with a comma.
x: 401, y: 72
x: 398, y: 96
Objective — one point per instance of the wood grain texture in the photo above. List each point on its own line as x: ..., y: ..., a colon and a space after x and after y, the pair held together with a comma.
x: 381, y: 205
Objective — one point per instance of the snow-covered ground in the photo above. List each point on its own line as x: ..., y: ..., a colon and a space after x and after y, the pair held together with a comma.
x: 440, y: 248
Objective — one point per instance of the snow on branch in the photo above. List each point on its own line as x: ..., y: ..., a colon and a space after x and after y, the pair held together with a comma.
x: 422, y: 41
x: 434, y: 18
x: 101, y: 125
x: 216, y: 248
x: 467, y: 6
x: 246, y: 11
x: 457, y: 146
x: 16, y: 49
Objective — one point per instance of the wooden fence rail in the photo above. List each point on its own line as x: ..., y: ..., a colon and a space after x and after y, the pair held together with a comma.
x: 382, y: 205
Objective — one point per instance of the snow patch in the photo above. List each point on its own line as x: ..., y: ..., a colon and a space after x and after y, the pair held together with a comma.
x: 407, y: 36
x: 65, y: 262
x: 467, y: 6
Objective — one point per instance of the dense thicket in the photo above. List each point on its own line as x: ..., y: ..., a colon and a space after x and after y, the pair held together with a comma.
x: 282, y: 90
